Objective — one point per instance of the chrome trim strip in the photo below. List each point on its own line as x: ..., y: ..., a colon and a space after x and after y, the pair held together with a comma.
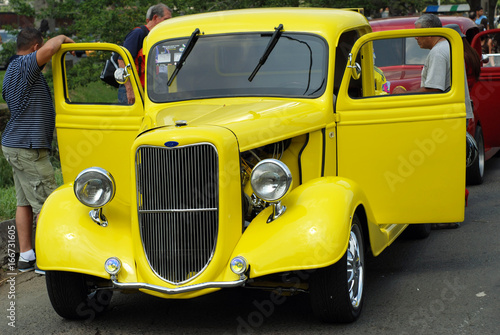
x: 178, y: 290
x: 177, y: 210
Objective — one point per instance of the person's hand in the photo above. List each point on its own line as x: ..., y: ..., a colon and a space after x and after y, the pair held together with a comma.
x: 399, y: 90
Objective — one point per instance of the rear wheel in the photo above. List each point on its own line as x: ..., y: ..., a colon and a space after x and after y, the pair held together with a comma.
x: 337, y: 290
x: 475, y: 173
x: 419, y: 231
x: 74, y: 295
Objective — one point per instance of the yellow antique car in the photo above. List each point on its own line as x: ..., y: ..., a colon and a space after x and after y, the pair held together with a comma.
x: 258, y: 155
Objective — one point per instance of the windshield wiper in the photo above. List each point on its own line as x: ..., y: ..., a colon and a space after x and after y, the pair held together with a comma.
x: 189, y: 46
x: 270, y: 46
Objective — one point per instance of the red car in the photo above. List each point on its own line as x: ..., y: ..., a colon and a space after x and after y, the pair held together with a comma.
x: 401, y: 61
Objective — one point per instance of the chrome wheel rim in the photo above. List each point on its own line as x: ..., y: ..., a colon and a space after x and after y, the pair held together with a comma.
x: 480, y: 156
x: 355, y: 267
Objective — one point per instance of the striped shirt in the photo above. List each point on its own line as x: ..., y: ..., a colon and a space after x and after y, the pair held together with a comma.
x: 32, y: 114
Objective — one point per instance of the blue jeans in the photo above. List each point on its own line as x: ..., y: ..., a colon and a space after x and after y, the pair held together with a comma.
x: 122, y: 95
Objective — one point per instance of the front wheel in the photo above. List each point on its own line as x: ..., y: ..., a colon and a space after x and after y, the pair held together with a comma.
x: 74, y: 295
x: 337, y: 290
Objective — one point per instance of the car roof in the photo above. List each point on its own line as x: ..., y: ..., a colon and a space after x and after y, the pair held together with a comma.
x: 468, y: 27
x: 324, y: 21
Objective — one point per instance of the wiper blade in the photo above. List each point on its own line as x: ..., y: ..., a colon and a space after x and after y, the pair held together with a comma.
x: 189, y: 46
x: 270, y: 46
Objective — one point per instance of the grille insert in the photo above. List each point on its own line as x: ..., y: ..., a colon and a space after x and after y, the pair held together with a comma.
x: 177, y: 192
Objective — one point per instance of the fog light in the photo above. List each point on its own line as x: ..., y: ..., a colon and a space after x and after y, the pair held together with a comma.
x: 112, y: 265
x: 239, y: 265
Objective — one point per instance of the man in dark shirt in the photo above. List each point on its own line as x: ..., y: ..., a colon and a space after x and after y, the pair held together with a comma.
x: 27, y: 139
x: 133, y: 43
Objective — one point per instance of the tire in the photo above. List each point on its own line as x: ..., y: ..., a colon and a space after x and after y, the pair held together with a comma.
x: 73, y: 297
x: 475, y: 173
x: 337, y: 290
x: 419, y: 231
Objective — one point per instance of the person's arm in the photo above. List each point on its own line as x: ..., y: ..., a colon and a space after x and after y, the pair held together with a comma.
x: 128, y: 85
x: 45, y: 53
x: 402, y: 90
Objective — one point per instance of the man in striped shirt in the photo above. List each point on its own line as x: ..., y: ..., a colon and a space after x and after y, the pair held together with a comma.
x: 27, y: 139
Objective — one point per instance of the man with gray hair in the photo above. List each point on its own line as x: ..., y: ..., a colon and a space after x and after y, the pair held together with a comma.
x: 133, y: 43
x: 435, y: 75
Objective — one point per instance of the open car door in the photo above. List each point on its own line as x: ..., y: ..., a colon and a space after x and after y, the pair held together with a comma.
x: 485, y: 90
x: 93, y: 127
x: 413, y: 145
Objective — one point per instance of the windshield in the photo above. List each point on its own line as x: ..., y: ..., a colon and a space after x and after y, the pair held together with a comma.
x: 398, y: 51
x: 219, y: 66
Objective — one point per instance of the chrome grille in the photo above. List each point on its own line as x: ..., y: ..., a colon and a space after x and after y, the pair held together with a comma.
x: 178, y: 200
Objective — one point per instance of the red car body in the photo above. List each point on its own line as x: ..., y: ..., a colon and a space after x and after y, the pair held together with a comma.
x: 484, y: 93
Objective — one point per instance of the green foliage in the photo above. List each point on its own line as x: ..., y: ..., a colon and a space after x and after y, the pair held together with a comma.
x: 22, y: 7
x: 8, y: 201
x: 84, y: 71
x: 6, y: 179
x: 96, y: 20
x: 95, y: 92
x: 111, y: 20
x: 8, y: 50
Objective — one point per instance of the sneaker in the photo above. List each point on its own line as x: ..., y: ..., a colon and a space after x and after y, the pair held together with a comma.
x: 24, y: 265
x: 38, y: 270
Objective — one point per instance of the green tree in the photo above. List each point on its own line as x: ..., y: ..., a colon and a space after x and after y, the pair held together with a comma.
x: 100, y: 20
x: 110, y: 20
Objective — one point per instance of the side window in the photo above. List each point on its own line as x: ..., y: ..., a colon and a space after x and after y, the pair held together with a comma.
x: 82, y: 73
x: 399, y: 62
x: 342, y: 52
x: 398, y: 51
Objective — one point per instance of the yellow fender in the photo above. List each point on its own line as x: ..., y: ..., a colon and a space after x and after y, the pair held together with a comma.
x: 68, y: 240
x: 312, y: 233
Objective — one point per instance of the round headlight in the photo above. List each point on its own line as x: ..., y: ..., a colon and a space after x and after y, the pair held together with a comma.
x: 94, y: 187
x: 271, y: 179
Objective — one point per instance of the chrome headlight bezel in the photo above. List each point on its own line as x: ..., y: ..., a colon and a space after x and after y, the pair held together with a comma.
x: 238, y: 265
x: 271, y: 180
x: 101, y: 181
x: 112, y: 265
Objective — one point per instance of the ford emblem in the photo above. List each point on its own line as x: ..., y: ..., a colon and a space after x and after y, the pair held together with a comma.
x: 171, y: 144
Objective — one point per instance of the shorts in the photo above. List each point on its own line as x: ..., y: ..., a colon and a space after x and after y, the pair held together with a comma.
x: 34, y: 178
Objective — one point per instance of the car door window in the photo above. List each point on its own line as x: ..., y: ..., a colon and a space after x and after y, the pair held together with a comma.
x: 397, y: 62
x: 82, y: 73
x: 398, y: 51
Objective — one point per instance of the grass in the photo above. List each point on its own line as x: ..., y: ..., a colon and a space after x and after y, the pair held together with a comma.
x: 8, y: 200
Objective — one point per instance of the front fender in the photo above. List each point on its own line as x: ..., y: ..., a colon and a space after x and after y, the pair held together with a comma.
x: 68, y: 240
x: 312, y: 233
